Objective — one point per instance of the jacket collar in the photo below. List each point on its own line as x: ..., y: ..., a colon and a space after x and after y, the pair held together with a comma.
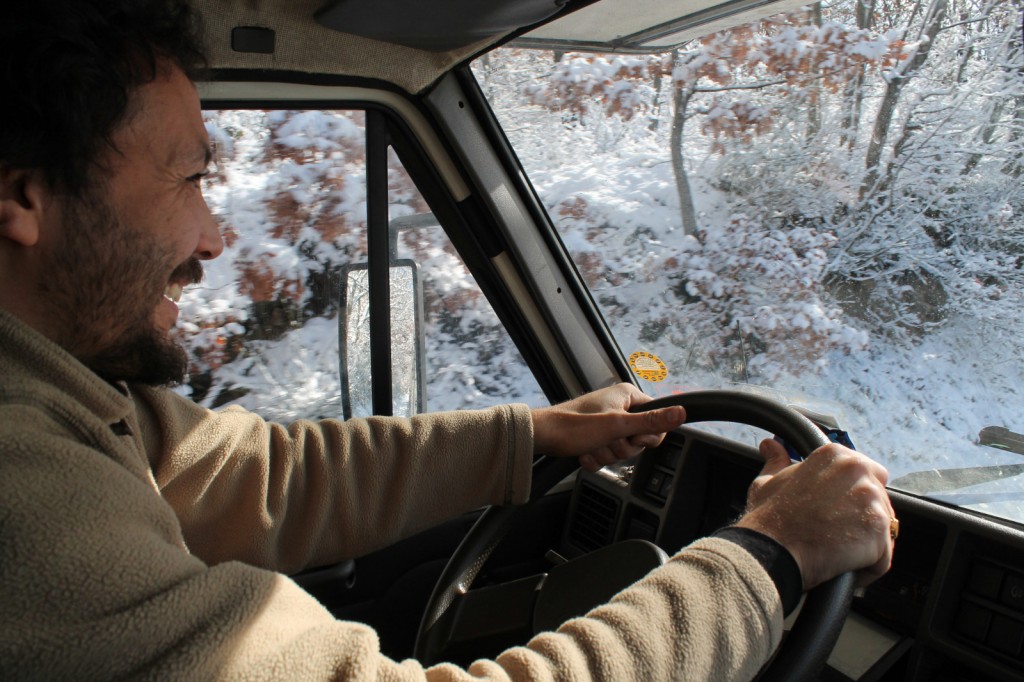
x: 28, y: 358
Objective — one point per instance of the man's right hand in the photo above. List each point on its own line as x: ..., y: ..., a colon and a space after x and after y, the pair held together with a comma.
x: 599, y: 428
x: 830, y: 511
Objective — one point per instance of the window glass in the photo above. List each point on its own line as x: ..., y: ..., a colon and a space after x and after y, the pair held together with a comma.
x: 471, y: 361
x: 825, y: 206
x: 262, y: 330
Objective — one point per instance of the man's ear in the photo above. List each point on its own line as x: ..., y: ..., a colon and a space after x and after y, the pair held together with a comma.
x: 22, y: 199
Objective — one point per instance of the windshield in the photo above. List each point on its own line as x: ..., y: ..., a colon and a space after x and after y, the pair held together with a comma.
x: 826, y: 205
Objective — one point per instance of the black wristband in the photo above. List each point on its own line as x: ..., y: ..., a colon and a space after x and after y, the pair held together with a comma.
x: 776, y: 559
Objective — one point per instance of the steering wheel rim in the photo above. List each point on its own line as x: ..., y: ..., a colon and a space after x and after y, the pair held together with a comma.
x: 805, y: 650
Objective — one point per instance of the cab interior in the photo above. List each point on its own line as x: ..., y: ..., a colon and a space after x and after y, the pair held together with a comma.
x: 951, y: 608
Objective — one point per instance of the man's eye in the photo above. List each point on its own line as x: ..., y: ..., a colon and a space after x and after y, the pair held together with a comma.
x: 197, y: 179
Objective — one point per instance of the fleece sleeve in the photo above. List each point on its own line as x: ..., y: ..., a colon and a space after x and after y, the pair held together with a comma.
x: 96, y: 583
x: 309, y: 494
x: 711, y: 613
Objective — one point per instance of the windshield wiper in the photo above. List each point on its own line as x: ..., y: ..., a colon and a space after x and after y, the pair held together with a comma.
x: 1001, y: 438
x: 943, y: 480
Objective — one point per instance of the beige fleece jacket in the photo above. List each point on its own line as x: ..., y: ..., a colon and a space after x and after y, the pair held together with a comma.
x: 142, y: 536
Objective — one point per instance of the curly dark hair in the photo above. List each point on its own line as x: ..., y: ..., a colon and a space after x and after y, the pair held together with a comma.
x: 68, y: 72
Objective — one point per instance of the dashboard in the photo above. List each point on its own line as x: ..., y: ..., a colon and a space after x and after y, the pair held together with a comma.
x: 950, y: 609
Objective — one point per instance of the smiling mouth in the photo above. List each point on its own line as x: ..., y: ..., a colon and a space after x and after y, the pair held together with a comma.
x: 173, y: 292
x: 189, y: 272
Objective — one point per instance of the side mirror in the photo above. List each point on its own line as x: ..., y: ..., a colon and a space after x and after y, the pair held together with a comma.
x: 408, y: 357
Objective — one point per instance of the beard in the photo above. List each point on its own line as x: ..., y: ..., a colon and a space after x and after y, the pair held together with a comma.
x: 105, y: 284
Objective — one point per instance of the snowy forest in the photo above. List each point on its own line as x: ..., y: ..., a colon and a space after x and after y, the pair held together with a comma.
x: 828, y: 203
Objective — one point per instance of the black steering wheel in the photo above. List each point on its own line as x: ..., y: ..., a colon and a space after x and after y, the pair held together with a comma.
x: 814, y: 634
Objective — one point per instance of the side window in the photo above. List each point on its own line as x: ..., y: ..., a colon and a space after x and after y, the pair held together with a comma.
x: 281, y: 323
x: 470, y: 360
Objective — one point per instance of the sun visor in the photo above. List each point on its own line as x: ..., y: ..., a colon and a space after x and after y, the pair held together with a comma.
x: 425, y: 25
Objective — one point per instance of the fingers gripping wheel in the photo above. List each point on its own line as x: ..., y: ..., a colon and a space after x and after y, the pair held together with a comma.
x: 814, y: 634
x: 807, y: 647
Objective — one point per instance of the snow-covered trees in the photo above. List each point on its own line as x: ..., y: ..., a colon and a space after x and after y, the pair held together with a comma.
x: 290, y: 190
x: 886, y: 133
x: 287, y: 187
x: 733, y: 275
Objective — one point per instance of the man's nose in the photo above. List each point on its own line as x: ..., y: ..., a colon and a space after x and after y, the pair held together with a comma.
x: 211, y: 243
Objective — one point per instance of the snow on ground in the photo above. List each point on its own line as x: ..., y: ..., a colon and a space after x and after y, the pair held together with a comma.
x: 296, y: 375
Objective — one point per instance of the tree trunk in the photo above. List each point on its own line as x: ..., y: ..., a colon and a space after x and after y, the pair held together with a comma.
x: 681, y: 93
x: 853, y: 95
x: 814, y: 91
x: 656, y: 104
x: 1013, y: 167
x: 899, y: 78
x: 987, y: 134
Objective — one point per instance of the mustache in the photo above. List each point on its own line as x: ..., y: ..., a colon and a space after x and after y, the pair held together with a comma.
x: 189, y: 272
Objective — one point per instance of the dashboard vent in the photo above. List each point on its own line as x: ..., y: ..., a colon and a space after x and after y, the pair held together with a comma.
x: 593, y: 523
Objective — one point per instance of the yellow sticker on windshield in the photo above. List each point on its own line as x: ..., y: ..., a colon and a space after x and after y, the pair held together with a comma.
x: 648, y: 366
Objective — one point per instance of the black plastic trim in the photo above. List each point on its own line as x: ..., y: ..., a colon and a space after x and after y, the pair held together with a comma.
x: 379, y: 256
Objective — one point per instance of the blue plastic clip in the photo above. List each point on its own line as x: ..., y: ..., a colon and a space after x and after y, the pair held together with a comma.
x: 834, y: 435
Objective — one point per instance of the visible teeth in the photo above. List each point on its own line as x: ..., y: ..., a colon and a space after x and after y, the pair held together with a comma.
x: 173, y: 292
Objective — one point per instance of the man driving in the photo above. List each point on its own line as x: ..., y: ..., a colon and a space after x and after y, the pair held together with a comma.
x: 144, y: 536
